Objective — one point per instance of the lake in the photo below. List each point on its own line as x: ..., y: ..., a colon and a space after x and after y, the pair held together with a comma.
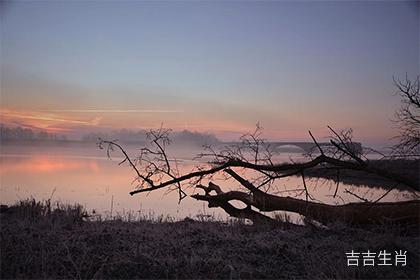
x: 82, y: 173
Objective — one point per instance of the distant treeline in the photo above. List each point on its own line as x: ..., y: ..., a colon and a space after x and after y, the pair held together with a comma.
x: 177, y: 137
x: 8, y: 133
x: 27, y: 134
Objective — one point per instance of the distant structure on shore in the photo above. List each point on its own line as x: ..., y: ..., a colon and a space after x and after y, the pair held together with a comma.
x: 184, y: 137
x: 307, y: 147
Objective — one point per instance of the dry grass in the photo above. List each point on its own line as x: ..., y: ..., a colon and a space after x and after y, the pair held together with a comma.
x: 39, y: 240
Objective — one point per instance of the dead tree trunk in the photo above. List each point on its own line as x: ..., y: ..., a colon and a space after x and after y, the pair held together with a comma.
x: 159, y: 172
x: 352, y: 213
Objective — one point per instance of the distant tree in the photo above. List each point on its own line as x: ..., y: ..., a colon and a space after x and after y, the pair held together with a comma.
x: 194, y: 138
x: 18, y: 133
x: 42, y: 135
x: 407, y: 118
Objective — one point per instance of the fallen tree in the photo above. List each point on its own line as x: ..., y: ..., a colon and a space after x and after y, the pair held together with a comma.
x: 156, y: 170
x: 364, y: 213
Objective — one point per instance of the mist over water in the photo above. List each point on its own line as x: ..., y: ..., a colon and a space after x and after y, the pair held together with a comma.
x: 82, y: 173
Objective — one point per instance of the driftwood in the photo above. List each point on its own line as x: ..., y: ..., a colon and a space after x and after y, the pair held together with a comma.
x: 364, y: 213
x: 293, y: 168
x: 158, y: 172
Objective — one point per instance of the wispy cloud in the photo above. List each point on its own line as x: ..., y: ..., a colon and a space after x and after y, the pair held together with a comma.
x: 48, y: 118
x: 113, y: 111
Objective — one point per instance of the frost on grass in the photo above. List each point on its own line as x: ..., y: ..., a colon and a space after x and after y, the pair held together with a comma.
x: 39, y: 241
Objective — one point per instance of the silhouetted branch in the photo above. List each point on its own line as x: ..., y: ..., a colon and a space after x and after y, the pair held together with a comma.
x: 156, y: 170
x: 338, y: 182
x: 353, y: 213
x: 126, y: 157
x: 304, y: 185
x: 407, y: 118
x: 316, y: 143
x: 385, y: 194
x: 357, y: 196
x: 221, y: 199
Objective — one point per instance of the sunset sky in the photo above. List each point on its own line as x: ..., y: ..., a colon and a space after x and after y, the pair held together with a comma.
x: 220, y: 67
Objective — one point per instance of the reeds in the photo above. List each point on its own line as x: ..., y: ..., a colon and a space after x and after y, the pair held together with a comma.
x: 53, y: 240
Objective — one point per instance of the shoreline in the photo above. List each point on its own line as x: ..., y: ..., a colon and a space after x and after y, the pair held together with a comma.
x: 404, y: 167
x: 40, y: 242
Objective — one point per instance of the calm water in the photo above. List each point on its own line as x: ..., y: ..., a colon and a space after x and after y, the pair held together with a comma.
x: 83, y: 174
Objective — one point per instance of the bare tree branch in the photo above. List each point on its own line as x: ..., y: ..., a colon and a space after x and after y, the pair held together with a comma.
x: 407, y: 118
x: 155, y: 169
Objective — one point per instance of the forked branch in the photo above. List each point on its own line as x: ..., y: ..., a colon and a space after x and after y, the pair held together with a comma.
x: 154, y: 170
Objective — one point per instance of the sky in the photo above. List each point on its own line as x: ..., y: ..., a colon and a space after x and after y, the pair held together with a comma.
x: 218, y: 67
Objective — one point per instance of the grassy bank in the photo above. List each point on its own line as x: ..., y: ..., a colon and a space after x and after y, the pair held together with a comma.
x: 40, y: 240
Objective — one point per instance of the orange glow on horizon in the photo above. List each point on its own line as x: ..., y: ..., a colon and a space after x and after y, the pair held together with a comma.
x: 44, y: 164
x: 75, y: 124
x: 48, y: 122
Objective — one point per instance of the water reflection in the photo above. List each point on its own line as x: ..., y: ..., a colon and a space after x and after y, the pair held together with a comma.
x: 82, y: 175
x: 44, y: 164
x: 85, y: 175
